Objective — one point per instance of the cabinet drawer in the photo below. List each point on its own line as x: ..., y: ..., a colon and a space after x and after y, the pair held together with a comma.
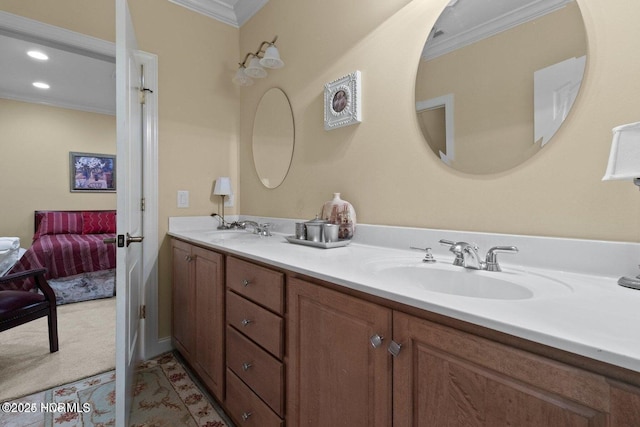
x: 259, y: 284
x: 262, y: 326
x: 257, y: 368
x: 247, y: 408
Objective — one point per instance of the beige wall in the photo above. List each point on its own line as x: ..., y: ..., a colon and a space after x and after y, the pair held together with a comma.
x: 36, y: 141
x: 198, y: 116
x: 384, y: 167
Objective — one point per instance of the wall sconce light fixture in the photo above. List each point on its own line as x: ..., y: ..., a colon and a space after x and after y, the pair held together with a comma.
x: 624, y: 164
x: 268, y: 57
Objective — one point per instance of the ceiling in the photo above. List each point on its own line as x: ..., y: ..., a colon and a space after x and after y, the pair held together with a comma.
x: 82, y: 79
x: 76, y: 81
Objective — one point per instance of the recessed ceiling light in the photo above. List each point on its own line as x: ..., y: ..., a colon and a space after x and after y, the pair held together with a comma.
x: 41, y: 85
x: 36, y: 54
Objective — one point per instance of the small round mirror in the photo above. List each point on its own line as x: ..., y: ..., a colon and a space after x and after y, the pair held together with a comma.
x: 273, y: 138
x: 497, y: 79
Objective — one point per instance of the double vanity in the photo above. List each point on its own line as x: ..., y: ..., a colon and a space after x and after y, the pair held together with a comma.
x: 370, y: 334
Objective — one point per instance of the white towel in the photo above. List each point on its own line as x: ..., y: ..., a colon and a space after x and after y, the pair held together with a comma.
x: 7, y: 243
x: 9, y: 253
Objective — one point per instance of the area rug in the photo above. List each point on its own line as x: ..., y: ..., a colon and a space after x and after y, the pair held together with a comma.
x: 164, y: 395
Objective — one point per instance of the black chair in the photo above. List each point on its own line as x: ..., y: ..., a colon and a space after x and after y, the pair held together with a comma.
x: 18, y: 307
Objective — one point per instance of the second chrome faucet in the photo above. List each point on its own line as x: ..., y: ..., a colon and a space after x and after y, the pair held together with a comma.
x: 467, y: 255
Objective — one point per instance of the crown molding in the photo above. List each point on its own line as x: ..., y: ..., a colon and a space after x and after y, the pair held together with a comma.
x: 434, y: 48
x: 231, y: 12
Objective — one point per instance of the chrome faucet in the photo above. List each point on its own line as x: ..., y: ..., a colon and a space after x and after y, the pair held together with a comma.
x: 467, y: 255
x: 261, y: 229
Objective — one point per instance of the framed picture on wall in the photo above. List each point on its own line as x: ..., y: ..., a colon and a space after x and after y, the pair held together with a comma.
x: 342, y: 103
x: 92, y: 172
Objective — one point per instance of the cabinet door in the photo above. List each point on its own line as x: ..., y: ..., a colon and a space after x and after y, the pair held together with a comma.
x: 208, y: 276
x: 335, y: 377
x: 183, y: 311
x: 444, y: 377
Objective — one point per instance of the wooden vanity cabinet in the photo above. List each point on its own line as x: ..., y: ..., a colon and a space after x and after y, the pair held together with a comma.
x: 333, y: 367
x: 335, y: 377
x: 442, y: 374
x: 198, y: 311
x: 255, y: 343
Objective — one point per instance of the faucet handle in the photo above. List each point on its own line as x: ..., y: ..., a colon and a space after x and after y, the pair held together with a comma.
x: 492, y: 256
x: 264, y: 229
x: 455, y: 248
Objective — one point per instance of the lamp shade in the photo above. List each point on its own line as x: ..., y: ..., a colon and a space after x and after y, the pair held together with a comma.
x: 241, y: 78
x: 255, y: 70
x: 272, y: 58
x: 223, y: 186
x: 624, y: 159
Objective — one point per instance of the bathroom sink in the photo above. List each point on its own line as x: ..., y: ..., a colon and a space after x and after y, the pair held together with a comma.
x: 448, y: 279
x: 230, y: 235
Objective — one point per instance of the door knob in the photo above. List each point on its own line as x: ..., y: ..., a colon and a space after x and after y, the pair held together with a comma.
x: 133, y: 239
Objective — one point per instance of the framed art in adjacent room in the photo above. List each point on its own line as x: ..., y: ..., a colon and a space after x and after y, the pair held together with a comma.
x: 92, y: 172
x: 342, y: 101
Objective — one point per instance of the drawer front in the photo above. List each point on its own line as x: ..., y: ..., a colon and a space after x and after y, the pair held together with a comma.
x: 246, y: 408
x: 262, y: 326
x: 258, y: 369
x: 259, y: 284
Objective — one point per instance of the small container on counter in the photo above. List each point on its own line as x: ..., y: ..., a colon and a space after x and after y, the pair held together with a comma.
x: 314, y: 229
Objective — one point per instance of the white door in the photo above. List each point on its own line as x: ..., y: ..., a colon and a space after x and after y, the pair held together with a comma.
x: 129, y: 268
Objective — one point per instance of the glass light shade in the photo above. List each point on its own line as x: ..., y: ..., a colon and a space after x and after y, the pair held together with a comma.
x: 223, y: 186
x: 241, y: 78
x: 272, y: 58
x: 255, y: 70
x: 624, y: 159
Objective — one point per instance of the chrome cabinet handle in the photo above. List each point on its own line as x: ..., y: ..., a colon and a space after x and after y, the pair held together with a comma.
x: 246, y: 366
x: 246, y: 415
x: 246, y: 322
x: 245, y: 282
x: 394, y: 348
x: 376, y: 340
x: 189, y: 258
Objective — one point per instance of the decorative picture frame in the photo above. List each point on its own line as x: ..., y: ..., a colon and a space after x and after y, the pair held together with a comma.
x: 342, y: 101
x: 89, y: 172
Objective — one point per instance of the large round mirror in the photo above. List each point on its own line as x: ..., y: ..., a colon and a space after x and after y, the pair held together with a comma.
x: 273, y: 138
x: 497, y: 78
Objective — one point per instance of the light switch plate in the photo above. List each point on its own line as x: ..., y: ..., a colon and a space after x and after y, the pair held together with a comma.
x: 183, y: 199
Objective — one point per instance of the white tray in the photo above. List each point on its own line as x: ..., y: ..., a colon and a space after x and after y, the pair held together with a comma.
x: 323, y: 245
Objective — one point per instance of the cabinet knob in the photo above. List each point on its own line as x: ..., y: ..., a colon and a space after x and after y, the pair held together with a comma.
x: 246, y: 322
x: 245, y: 282
x: 246, y: 366
x: 246, y: 416
x: 394, y: 348
x: 376, y: 340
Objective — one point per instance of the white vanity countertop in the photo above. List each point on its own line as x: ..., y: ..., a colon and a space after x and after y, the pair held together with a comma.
x: 598, y: 319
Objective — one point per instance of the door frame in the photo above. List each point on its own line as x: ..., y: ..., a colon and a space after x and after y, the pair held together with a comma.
x: 11, y: 23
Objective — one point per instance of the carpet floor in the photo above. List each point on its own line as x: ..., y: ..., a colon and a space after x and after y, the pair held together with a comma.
x: 164, y: 395
x: 86, y: 333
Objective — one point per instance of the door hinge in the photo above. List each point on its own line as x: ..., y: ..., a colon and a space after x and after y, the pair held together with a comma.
x: 143, y: 311
x: 143, y: 205
x: 143, y: 95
